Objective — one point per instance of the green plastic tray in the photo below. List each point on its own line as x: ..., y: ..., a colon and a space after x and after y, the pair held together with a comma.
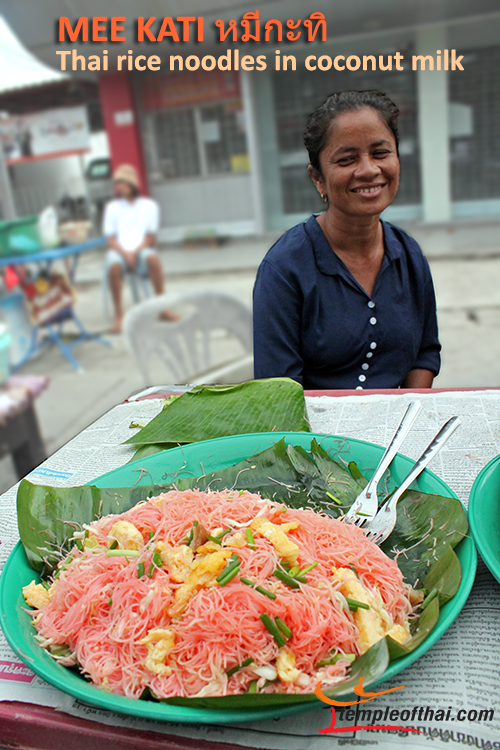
x: 195, y: 459
x: 484, y: 515
x: 19, y: 236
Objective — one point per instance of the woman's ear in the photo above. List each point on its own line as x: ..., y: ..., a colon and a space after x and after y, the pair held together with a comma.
x: 317, y: 179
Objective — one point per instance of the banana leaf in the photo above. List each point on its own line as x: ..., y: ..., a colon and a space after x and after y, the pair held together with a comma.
x: 149, y: 448
x: 210, y: 411
x: 439, y: 523
x: 47, y: 517
x: 289, y: 475
x: 445, y: 576
x: 420, y: 630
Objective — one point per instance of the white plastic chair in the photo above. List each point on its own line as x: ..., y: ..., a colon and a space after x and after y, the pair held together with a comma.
x: 185, y: 346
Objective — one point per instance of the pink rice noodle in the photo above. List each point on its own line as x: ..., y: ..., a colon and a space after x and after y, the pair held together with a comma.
x: 98, y: 608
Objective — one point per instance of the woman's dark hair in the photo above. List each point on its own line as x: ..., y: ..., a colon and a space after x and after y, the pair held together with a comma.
x: 319, y: 121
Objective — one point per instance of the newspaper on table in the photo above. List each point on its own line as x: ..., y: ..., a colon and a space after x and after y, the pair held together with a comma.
x: 450, y: 694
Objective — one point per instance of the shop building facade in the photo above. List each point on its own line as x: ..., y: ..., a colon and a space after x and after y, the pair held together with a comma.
x: 222, y: 151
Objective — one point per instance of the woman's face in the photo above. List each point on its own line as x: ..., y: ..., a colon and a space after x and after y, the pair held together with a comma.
x: 359, y: 164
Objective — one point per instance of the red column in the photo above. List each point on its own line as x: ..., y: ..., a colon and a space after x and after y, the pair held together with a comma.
x: 121, y: 122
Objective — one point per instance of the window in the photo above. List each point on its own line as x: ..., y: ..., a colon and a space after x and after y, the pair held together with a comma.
x: 176, y: 146
x: 474, y: 97
x: 99, y: 169
x: 223, y: 136
x: 201, y: 140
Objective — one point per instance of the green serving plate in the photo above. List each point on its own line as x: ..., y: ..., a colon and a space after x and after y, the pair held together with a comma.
x: 484, y: 515
x: 196, y: 459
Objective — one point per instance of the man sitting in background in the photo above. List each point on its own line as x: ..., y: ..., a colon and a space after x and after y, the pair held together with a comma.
x: 130, y: 224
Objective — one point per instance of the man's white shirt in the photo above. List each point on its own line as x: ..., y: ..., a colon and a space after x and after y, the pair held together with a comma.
x: 129, y: 221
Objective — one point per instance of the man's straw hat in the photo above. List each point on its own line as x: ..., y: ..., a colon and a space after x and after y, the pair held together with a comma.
x: 126, y: 173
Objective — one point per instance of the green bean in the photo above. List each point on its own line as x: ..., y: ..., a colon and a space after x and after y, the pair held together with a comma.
x: 334, y: 659
x: 190, y: 537
x: 272, y: 628
x: 332, y: 497
x: 285, y: 578
x: 283, y: 627
x: 250, y: 537
x: 247, y: 582
x: 237, y: 668
x: 230, y: 574
x: 354, y: 605
x: 229, y: 571
x: 307, y: 569
x: 262, y: 590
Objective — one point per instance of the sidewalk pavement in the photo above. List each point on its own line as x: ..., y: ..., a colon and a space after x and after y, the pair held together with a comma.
x: 464, y: 259
x: 463, y: 240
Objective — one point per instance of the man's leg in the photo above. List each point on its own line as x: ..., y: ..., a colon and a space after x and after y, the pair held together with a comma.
x: 115, y: 269
x: 155, y: 272
x: 151, y: 259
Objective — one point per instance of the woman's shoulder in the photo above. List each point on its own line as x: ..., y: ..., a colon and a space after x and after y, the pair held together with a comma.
x: 400, y: 242
x: 293, y: 247
x: 396, y: 235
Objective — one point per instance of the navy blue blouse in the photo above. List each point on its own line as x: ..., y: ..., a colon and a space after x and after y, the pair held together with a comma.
x: 315, y: 323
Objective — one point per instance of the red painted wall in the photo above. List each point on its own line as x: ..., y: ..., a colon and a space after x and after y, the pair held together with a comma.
x: 122, y: 123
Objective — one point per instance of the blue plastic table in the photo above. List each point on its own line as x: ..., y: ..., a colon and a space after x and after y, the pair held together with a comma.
x: 48, y: 256
x: 44, y: 258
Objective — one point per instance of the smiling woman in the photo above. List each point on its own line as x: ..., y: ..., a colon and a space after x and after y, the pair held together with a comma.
x: 346, y: 300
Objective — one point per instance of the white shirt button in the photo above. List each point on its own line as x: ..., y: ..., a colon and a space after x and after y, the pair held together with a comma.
x: 362, y: 378
x: 365, y: 366
x: 369, y: 354
x: 373, y: 345
x: 359, y: 388
x: 371, y: 304
x: 373, y: 321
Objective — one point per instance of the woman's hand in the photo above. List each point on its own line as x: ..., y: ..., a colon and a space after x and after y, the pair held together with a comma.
x: 418, y: 379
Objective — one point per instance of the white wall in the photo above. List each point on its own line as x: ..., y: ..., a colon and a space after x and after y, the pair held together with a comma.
x: 37, y: 184
x: 41, y: 183
x: 213, y: 202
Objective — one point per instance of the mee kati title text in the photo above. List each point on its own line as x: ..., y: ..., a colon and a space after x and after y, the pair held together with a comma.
x: 182, y: 29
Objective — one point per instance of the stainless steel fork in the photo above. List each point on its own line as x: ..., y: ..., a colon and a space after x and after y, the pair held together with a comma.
x: 382, y: 525
x: 365, y: 506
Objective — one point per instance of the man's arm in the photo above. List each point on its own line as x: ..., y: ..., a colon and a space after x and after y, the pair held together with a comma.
x: 148, y: 241
x: 152, y: 226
